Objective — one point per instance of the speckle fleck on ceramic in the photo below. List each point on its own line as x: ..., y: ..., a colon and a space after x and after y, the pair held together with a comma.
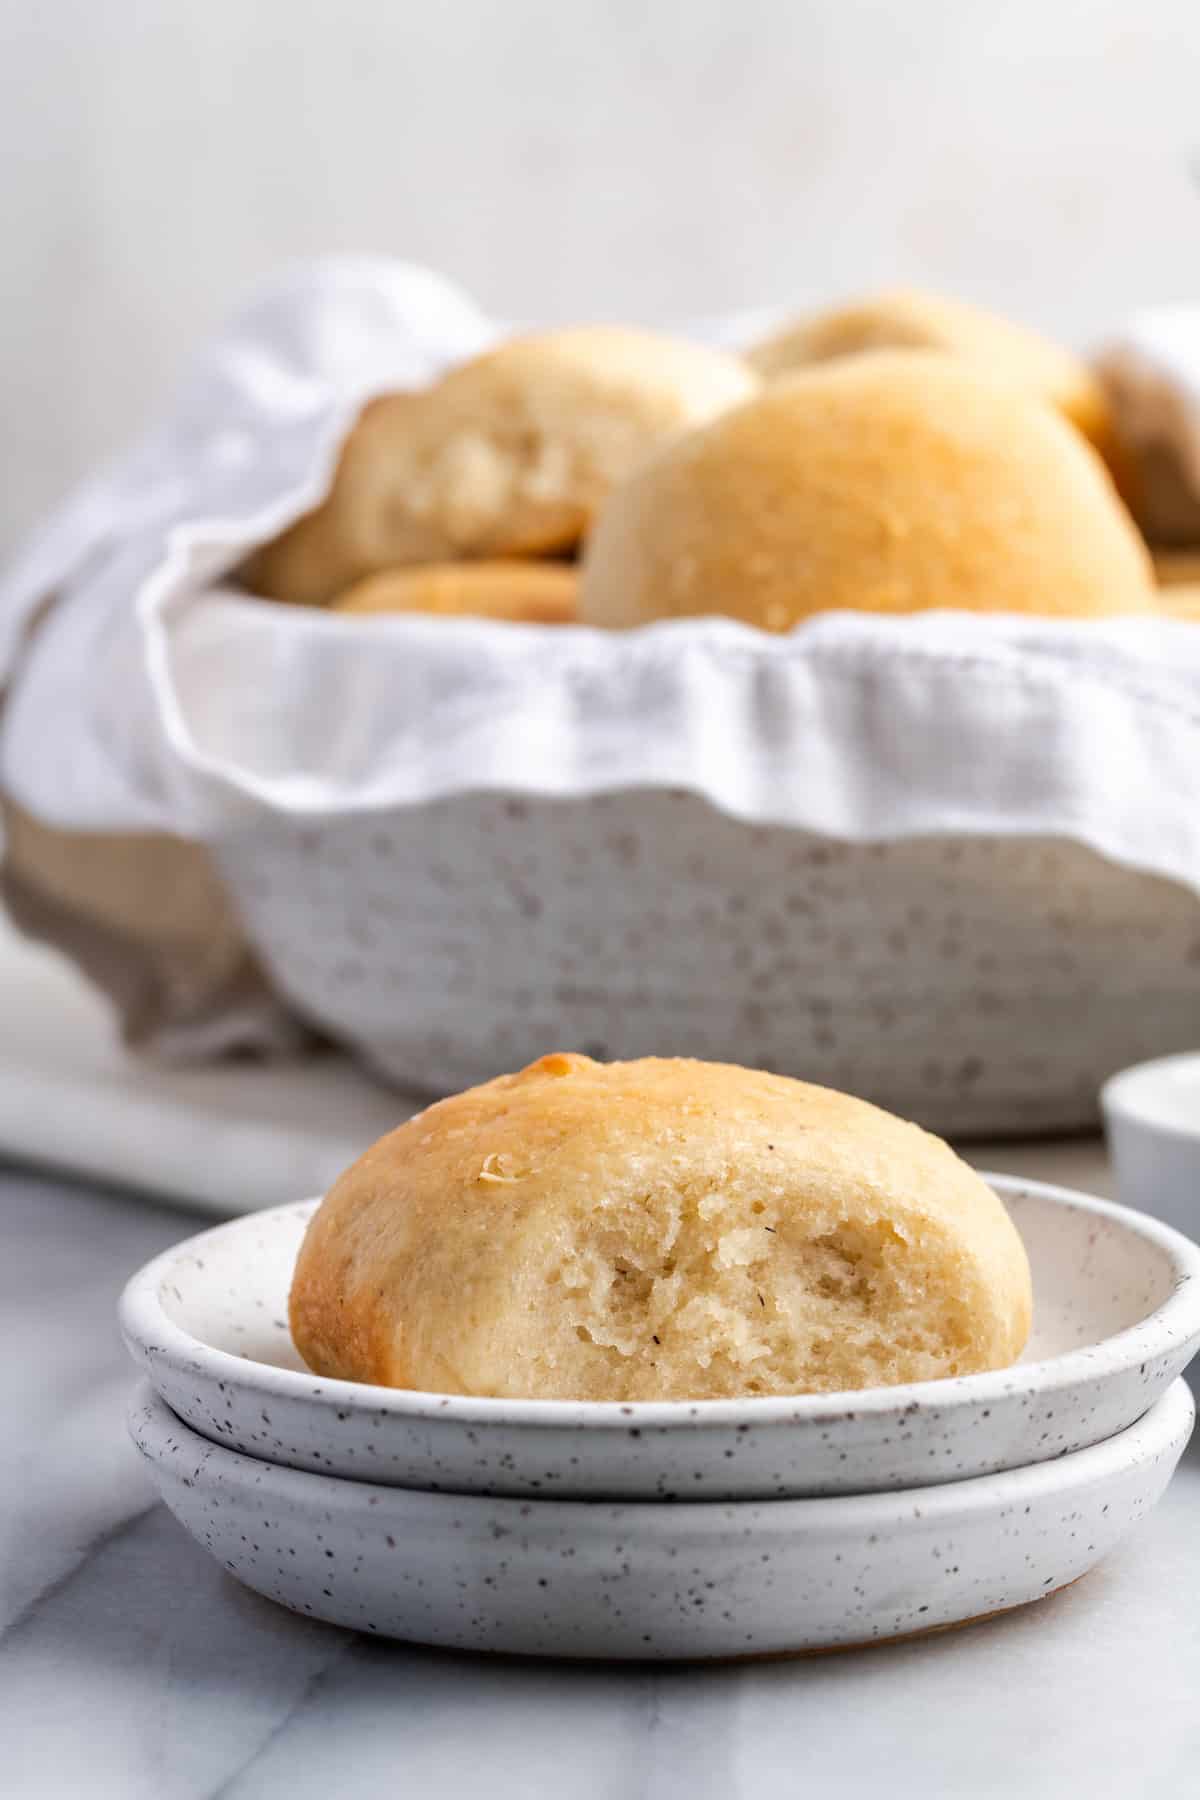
x: 565, y: 1578
x: 1117, y: 1317
x: 978, y: 984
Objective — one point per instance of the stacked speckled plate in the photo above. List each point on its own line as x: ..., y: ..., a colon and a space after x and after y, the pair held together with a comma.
x: 681, y: 1529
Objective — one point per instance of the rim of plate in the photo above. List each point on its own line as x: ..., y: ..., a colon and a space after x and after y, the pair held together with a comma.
x: 1172, y: 1414
x: 1130, y: 1095
x: 149, y: 1330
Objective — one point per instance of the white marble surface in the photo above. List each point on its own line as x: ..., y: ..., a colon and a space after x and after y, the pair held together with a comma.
x: 131, y: 1666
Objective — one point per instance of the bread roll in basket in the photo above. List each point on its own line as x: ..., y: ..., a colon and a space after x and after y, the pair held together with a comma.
x: 946, y: 861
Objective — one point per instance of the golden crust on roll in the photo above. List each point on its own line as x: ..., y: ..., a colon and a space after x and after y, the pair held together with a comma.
x: 661, y: 1229
x: 507, y: 455
x: 893, y: 483
x: 906, y: 319
x: 1181, y: 601
x: 1177, y: 568
x: 534, y: 593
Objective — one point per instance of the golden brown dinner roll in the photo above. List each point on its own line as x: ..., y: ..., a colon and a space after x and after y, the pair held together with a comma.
x: 1181, y: 601
x: 536, y: 593
x: 1177, y: 568
x: 507, y: 455
x: 657, y: 1230
x: 904, y: 319
x: 884, y: 483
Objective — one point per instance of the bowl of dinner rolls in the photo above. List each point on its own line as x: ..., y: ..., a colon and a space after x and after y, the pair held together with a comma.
x: 817, y: 702
x: 721, y: 676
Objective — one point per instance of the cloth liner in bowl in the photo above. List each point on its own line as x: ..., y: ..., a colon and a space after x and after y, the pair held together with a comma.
x: 948, y: 861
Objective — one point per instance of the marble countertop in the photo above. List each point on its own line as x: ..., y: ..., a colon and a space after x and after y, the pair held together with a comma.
x: 131, y: 1665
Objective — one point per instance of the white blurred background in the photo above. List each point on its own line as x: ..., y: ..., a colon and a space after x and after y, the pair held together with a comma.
x: 641, y: 158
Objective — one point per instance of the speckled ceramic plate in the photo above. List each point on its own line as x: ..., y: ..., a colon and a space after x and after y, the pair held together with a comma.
x: 1117, y: 1316
x: 658, y: 1579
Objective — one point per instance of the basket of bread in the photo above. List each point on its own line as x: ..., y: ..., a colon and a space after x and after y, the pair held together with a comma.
x: 816, y: 704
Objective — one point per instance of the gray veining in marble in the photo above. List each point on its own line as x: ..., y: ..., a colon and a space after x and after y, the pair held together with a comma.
x: 132, y: 1667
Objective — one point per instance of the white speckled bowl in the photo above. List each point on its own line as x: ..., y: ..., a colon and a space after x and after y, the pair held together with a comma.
x: 1117, y: 1316
x: 596, y: 1578
x: 1152, y: 1116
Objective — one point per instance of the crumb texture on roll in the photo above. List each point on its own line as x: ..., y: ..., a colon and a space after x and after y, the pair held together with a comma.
x: 661, y: 1229
x: 907, y: 319
x: 888, y: 483
x: 510, y: 454
x: 534, y: 593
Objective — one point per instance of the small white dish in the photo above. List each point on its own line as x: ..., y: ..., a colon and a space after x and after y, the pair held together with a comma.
x: 1152, y: 1118
x: 682, y: 1579
x: 1116, y: 1317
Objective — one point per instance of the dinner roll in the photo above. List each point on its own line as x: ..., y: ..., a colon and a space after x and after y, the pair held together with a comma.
x: 884, y: 483
x: 507, y: 455
x: 1181, y: 602
x: 657, y: 1230
x: 536, y: 593
x: 1177, y: 568
x: 905, y: 319
x: 1178, y: 576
